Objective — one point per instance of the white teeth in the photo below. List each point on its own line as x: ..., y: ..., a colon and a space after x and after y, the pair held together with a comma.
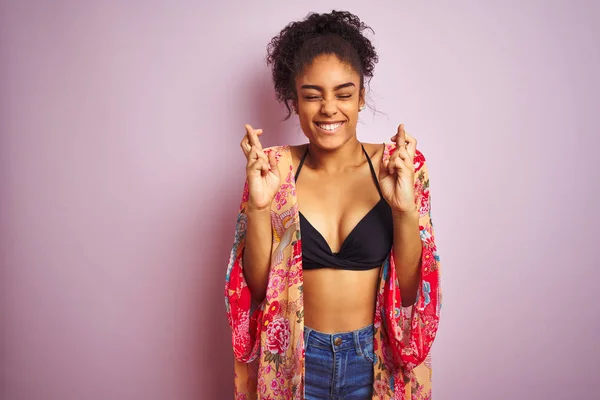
x: 330, y: 127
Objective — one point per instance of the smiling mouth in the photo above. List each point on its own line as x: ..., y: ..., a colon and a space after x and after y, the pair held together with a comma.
x: 329, y: 127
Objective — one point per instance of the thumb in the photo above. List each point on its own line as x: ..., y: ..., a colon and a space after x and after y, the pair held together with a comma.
x: 383, y: 169
x: 273, y: 164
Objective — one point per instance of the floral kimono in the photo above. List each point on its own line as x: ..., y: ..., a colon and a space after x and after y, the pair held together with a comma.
x: 268, y: 341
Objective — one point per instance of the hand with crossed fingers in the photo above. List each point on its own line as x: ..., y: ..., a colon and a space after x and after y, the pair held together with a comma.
x: 261, y: 171
x: 397, y: 174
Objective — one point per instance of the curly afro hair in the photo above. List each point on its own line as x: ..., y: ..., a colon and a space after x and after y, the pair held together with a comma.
x: 339, y: 33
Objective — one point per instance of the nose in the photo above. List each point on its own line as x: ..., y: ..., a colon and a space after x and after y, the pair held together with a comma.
x: 329, y: 108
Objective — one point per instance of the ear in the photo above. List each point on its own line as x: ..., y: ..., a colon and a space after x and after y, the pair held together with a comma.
x: 361, y: 98
x: 295, y: 105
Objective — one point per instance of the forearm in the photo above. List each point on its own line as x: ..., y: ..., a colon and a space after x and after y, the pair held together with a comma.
x: 407, y: 255
x: 257, y: 252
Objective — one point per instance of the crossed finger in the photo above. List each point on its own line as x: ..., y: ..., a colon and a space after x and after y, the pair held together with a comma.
x: 251, y: 140
x: 405, y: 144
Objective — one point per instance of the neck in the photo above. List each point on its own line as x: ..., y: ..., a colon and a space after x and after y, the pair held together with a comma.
x: 332, y: 161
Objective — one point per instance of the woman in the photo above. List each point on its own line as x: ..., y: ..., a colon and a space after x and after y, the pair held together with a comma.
x: 332, y: 285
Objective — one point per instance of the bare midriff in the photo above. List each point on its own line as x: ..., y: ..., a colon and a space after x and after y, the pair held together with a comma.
x: 338, y: 300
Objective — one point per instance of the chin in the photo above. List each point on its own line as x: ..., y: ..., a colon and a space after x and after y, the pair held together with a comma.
x: 330, y: 142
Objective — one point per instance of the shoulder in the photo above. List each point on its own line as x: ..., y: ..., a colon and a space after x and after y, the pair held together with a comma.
x: 279, y: 151
x: 292, y: 153
x: 285, y: 155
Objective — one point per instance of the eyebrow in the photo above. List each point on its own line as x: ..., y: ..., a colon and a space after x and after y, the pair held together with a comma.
x: 319, y: 88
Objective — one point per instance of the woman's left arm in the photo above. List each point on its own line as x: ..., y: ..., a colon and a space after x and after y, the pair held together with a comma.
x: 415, y: 327
x: 405, y: 185
x: 413, y: 275
x: 407, y: 250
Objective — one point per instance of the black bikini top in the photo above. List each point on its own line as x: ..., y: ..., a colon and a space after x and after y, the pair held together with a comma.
x: 366, y: 246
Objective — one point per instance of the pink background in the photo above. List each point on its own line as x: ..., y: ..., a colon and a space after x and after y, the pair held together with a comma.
x: 120, y: 178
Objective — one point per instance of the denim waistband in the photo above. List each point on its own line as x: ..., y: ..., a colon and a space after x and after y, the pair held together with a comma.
x: 338, y: 341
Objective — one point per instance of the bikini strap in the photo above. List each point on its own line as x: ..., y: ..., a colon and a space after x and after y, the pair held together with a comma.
x: 301, y: 164
x: 373, y: 174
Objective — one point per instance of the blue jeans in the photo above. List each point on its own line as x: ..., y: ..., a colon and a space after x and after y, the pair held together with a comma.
x: 339, y: 365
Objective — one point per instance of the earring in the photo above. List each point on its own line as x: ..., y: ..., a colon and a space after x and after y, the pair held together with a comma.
x: 361, y: 108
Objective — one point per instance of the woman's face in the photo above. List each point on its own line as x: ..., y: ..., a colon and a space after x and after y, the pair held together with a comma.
x: 328, y: 102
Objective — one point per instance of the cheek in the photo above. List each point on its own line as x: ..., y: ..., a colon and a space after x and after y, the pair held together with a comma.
x: 307, y: 112
x: 304, y: 116
x: 351, y: 112
x: 349, y: 107
x: 305, y: 120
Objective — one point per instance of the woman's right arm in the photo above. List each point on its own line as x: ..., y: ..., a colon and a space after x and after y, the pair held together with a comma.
x: 257, y: 253
x: 263, y: 183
